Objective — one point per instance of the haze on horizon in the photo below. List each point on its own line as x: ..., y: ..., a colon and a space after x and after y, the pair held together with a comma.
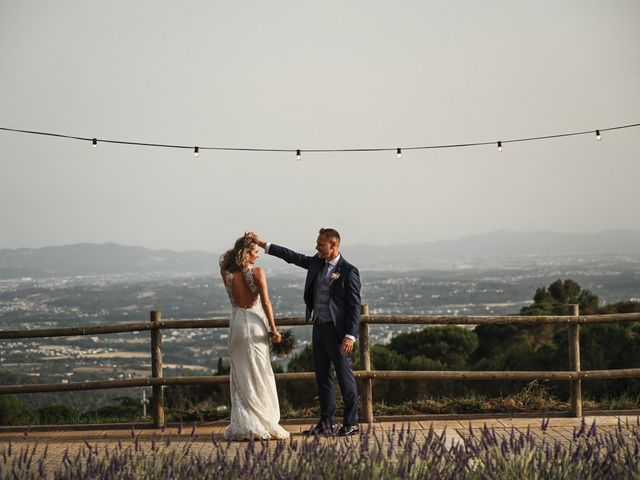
x: 288, y: 74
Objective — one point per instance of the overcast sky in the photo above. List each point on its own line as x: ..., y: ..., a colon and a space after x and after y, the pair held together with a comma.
x: 331, y: 74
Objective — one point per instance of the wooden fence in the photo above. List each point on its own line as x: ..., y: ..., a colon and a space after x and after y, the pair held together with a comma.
x: 574, y: 375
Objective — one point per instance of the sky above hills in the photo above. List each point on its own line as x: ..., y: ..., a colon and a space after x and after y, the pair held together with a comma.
x: 291, y: 74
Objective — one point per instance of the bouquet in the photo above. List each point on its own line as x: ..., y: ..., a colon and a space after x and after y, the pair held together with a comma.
x: 286, y: 344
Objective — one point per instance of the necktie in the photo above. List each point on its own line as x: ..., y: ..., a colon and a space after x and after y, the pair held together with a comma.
x: 325, y: 270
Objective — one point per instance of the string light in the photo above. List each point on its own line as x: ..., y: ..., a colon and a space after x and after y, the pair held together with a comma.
x: 94, y: 142
x: 399, y: 152
x: 196, y: 151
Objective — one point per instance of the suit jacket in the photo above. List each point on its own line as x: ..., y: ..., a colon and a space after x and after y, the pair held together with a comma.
x: 344, y: 292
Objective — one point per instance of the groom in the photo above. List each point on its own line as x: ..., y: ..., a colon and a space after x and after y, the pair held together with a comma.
x: 332, y: 297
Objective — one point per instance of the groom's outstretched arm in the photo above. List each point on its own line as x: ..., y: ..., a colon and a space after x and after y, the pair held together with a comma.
x: 285, y: 254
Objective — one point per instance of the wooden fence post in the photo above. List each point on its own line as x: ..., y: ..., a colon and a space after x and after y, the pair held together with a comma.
x: 575, y: 386
x: 156, y: 371
x: 365, y: 364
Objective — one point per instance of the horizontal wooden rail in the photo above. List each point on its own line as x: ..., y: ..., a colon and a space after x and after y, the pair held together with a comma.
x: 295, y: 321
x: 310, y: 376
x: 157, y: 380
x: 499, y: 320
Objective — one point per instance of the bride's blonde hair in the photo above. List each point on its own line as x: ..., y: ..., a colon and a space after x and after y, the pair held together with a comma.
x: 237, y: 258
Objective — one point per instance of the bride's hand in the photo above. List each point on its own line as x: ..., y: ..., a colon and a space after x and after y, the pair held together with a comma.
x: 277, y: 337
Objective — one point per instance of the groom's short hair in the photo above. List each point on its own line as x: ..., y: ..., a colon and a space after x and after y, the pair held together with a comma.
x: 330, y: 234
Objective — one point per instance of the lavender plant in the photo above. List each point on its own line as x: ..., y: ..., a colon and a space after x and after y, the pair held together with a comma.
x: 396, y: 454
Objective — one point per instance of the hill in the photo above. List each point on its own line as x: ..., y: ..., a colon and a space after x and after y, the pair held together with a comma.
x: 108, y: 258
x: 111, y: 258
x: 495, y: 246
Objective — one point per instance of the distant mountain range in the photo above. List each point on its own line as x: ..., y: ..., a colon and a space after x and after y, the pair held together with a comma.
x: 503, y: 244
x: 111, y: 258
x: 107, y: 258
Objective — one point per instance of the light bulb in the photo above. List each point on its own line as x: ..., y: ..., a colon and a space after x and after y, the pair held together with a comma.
x: 196, y: 151
x: 598, y: 136
x: 94, y: 142
x: 499, y: 146
x: 298, y: 155
x: 399, y: 152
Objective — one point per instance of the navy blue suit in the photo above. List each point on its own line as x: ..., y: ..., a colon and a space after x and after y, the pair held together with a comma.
x: 344, y: 305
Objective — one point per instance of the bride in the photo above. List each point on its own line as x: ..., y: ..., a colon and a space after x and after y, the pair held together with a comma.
x: 255, y: 411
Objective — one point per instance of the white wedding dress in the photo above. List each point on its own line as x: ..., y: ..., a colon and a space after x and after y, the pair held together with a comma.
x: 255, y: 411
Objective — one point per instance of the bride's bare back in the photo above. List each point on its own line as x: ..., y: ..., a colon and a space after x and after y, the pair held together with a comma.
x: 246, y: 286
x: 240, y: 290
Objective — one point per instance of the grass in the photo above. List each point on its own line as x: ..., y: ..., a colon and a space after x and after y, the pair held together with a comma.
x: 623, y: 402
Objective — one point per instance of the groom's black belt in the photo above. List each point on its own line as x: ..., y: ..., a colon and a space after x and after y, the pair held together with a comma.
x: 318, y: 321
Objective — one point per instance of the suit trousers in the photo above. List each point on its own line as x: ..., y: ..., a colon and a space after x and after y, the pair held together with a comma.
x: 326, y: 353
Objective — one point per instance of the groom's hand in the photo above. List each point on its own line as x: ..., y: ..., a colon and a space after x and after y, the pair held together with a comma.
x: 261, y: 243
x: 347, y: 346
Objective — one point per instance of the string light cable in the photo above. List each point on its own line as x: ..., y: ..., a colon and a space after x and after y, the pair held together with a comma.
x: 298, y: 151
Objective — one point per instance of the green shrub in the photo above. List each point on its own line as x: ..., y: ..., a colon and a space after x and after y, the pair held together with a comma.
x: 55, y: 414
x: 127, y: 409
x: 15, y: 412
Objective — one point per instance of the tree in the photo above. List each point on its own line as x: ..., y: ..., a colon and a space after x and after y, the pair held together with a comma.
x: 556, y: 300
x: 588, y: 302
x: 493, y: 340
x: 383, y: 358
x: 621, y: 307
x: 565, y: 292
x: 450, y: 345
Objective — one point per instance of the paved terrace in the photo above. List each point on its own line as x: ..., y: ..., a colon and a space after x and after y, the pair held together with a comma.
x: 198, y: 438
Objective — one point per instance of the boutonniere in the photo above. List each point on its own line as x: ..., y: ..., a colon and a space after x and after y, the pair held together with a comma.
x: 335, y: 276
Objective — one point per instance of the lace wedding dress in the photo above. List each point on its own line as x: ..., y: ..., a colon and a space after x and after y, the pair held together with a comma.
x: 255, y: 411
